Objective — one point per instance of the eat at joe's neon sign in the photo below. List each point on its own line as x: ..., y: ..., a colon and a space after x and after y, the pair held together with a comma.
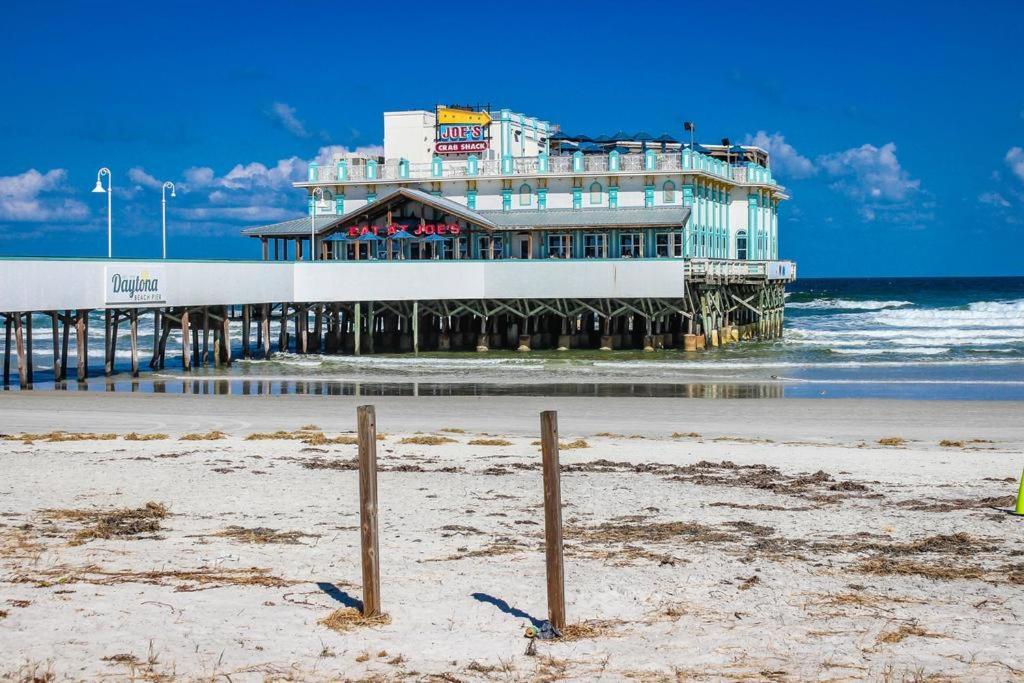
x: 419, y: 230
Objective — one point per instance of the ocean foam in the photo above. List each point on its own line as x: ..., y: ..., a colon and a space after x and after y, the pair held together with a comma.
x: 848, y: 304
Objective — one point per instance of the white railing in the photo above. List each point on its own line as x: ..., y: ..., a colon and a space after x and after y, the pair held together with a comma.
x: 726, y: 269
x: 538, y: 166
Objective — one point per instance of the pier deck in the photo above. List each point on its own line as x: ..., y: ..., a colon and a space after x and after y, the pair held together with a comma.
x: 371, y: 306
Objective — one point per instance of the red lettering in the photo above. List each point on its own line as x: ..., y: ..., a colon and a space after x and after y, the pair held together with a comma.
x: 353, y: 231
x: 454, y: 229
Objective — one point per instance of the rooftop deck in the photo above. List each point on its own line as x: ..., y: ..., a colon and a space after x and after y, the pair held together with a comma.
x: 367, y: 170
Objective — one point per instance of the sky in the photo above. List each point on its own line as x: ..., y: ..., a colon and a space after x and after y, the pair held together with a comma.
x: 896, y: 127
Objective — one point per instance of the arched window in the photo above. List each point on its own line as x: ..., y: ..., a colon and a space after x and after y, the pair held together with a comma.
x: 525, y: 195
x: 741, y: 245
x: 595, y: 193
x: 668, y: 191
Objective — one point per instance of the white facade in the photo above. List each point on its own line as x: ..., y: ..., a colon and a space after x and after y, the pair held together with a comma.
x: 409, y: 135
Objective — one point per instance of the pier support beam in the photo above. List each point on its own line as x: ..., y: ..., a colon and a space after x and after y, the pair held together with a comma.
x: 24, y: 375
x: 82, y: 343
x: 134, y: 319
x: 7, y: 350
x: 186, y: 356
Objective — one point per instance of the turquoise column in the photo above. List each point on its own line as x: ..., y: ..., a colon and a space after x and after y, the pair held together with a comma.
x: 542, y: 197
x: 613, y: 197
x: 648, y: 196
x: 506, y: 199
x: 313, y: 172
x: 472, y: 165
x: 339, y: 204
x: 371, y: 170
x: 436, y: 167
x: 343, y: 169
x: 688, y: 228
x: 752, y: 238
x: 371, y: 197
x: 471, y: 199
x: 577, y: 197
x: 506, y: 132
x: 403, y: 168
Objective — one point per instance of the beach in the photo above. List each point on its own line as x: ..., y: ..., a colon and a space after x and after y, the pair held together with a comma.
x: 728, y: 539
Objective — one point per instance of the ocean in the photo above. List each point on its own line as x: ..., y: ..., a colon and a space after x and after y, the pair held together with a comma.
x: 919, y: 338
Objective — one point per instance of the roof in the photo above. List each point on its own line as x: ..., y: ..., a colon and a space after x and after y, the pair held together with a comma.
x: 299, y: 227
x: 603, y: 217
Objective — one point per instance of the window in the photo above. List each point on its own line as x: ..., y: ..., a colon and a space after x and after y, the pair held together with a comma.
x: 741, y: 245
x: 558, y: 246
x: 668, y: 192
x: 484, y: 244
x: 629, y: 245
x: 668, y: 244
x: 594, y: 246
x: 595, y: 193
x: 525, y: 195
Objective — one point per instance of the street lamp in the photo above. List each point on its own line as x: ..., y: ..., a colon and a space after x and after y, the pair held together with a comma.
x: 163, y: 210
x: 99, y: 189
x: 312, y: 223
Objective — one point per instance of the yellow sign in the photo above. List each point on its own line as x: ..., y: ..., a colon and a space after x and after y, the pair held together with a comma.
x: 447, y: 115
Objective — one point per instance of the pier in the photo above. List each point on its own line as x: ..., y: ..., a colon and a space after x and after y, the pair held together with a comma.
x: 365, y: 307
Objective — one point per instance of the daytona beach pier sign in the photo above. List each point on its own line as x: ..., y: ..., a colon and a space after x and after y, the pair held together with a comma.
x: 128, y: 286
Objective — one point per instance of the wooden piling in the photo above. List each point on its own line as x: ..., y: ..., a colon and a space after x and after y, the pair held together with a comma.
x: 64, y: 345
x: 357, y: 327
x: 553, y: 519
x: 186, y: 357
x: 55, y: 326
x: 82, y: 343
x: 366, y: 421
x: 246, y: 323
x: 7, y: 350
x: 416, y: 327
x: 225, y: 336
x: 134, y: 319
x: 265, y: 326
x: 19, y: 340
x: 28, y: 349
x: 206, y: 337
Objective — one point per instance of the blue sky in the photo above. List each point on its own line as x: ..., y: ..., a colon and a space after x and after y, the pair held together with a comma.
x: 897, y: 127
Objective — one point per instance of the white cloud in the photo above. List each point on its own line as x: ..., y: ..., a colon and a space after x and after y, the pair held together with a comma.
x: 784, y: 157
x: 994, y: 199
x: 1015, y: 160
x: 139, y: 176
x: 327, y: 154
x: 870, y: 173
x: 33, y: 197
x: 284, y: 116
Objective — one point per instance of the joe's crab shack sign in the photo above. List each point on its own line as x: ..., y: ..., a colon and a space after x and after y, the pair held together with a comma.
x: 461, y: 131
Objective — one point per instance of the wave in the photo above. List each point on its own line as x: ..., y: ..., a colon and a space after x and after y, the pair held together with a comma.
x: 848, y: 304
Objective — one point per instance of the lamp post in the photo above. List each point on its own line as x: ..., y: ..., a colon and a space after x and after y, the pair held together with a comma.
x: 312, y: 223
x: 109, y: 190
x: 163, y: 211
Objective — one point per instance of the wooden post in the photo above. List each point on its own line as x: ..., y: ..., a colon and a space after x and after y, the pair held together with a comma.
x: 225, y: 336
x: 246, y: 323
x: 553, y: 519
x: 28, y: 349
x: 366, y: 421
x: 55, y: 322
x: 19, y: 340
x: 416, y: 327
x: 82, y: 343
x: 206, y: 337
x: 265, y: 326
x: 64, y: 344
x: 107, y: 370
x: 357, y: 327
x: 7, y: 350
x: 134, y: 316
x: 186, y: 356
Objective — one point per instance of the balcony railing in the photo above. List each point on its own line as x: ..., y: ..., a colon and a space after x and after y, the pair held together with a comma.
x: 361, y: 170
x: 733, y: 269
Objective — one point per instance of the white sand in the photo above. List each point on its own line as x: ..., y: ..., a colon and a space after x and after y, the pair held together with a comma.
x: 676, y: 601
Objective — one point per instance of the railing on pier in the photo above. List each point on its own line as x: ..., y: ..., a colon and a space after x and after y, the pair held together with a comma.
x: 361, y: 170
x: 730, y: 270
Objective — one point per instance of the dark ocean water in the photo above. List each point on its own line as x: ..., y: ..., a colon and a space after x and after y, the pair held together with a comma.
x: 925, y: 338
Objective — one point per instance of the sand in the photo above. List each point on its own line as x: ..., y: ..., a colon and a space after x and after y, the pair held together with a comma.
x: 782, y: 543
